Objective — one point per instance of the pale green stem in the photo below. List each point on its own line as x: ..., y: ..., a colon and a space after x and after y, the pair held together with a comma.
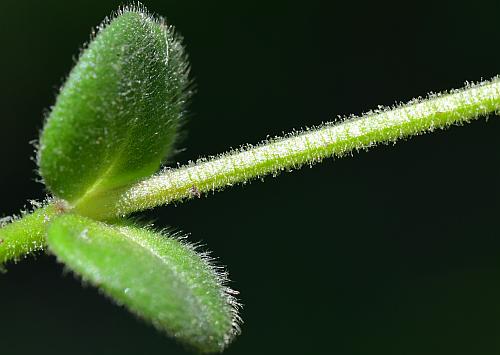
x: 297, y: 149
x: 26, y: 235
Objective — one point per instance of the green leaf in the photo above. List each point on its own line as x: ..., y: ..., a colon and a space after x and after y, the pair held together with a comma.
x: 157, y: 277
x: 117, y: 115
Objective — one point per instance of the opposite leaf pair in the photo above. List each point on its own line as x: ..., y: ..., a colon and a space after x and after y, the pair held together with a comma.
x: 115, y: 119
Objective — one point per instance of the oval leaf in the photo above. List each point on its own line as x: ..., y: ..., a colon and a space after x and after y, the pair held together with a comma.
x: 157, y: 277
x: 117, y: 115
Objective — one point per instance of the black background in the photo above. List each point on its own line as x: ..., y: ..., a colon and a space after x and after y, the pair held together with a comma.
x: 394, y: 251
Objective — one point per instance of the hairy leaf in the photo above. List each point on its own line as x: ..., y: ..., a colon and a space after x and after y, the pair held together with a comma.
x: 117, y: 115
x: 157, y: 277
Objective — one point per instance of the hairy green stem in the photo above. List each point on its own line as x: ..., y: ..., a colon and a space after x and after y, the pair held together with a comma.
x: 26, y: 235
x: 297, y: 149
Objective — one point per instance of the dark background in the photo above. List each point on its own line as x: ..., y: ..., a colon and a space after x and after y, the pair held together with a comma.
x: 394, y: 251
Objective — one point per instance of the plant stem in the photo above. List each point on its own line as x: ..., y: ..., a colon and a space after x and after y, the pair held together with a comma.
x: 297, y: 149
x: 26, y: 235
